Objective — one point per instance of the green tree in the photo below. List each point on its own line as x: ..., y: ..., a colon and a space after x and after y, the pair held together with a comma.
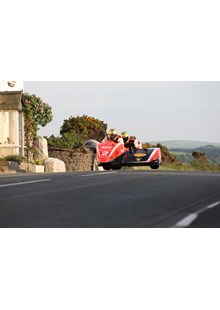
x: 201, y: 162
x: 197, y: 155
x: 67, y: 140
x: 85, y: 126
x: 36, y: 113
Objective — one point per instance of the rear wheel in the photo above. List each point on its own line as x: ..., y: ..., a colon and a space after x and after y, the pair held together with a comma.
x: 155, y: 164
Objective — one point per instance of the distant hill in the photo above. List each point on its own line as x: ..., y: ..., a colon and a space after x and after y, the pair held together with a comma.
x: 184, y: 144
x: 183, y: 149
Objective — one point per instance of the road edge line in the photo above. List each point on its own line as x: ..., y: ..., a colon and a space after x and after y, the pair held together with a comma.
x: 186, y: 221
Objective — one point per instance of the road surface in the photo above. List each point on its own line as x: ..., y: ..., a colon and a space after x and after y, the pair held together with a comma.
x: 114, y: 199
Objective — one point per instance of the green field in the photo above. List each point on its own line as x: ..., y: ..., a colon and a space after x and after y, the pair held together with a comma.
x: 183, y: 149
x: 184, y: 144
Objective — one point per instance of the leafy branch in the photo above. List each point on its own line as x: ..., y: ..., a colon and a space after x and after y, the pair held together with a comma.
x: 36, y: 113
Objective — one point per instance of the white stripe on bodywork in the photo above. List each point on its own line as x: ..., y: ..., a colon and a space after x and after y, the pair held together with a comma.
x: 152, y: 154
x: 117, y: 145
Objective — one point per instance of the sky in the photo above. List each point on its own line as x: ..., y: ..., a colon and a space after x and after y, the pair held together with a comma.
x: 119, y: 40
x: 152, y: 111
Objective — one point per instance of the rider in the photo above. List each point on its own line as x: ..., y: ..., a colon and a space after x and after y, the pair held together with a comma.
x: 112, y: 135
x: 131, y: 142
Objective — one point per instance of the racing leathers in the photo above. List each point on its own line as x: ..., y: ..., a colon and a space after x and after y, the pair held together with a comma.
x: 133, y: 144
x: 116, y: 139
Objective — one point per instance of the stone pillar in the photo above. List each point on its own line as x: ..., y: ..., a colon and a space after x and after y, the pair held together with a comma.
x: 41, y: 148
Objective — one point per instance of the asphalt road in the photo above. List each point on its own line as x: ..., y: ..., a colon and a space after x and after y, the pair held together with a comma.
x: 122, y: 199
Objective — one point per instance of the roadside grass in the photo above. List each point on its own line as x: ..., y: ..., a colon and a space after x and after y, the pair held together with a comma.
x: 173, y: 167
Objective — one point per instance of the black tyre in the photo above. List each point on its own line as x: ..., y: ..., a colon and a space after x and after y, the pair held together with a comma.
x: 155, y: 165
x: 106, y: 167
x: 116, y: 167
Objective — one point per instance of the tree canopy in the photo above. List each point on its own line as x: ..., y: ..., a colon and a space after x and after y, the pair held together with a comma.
x: 87, y: 127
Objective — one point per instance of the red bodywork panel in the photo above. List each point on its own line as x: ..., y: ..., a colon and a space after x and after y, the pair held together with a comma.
x: 113, y: 155
x: 108, y: 151
x: 154, y: 155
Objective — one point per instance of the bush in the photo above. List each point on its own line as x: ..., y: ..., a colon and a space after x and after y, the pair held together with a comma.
x: 16, y: 158
x: 201, y: 162
x: 68, y: 140
x: 169, y: 158
x: 203, y: 165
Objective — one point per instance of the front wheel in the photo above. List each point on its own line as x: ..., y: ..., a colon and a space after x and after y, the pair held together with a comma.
x: 106, y: 166
x: 116, y: 167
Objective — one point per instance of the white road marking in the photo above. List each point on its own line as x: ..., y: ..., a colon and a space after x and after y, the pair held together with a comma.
x: 213, y: 205
x: 186, y: 221
x: 90, y: 175
x: 23, y: 183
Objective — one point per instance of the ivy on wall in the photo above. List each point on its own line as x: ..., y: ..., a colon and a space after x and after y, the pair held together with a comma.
x: 36, y: 113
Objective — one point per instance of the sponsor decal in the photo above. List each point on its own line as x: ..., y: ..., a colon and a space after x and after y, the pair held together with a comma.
x: 106, y: 147
x: 105, y: 153
x: 140, y: 154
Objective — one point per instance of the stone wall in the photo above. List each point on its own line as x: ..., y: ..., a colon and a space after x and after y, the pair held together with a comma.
x: 80, y: 159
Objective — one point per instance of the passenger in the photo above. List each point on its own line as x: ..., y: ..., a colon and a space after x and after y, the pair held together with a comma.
x: 112, y: 135
x: 131, y: 142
